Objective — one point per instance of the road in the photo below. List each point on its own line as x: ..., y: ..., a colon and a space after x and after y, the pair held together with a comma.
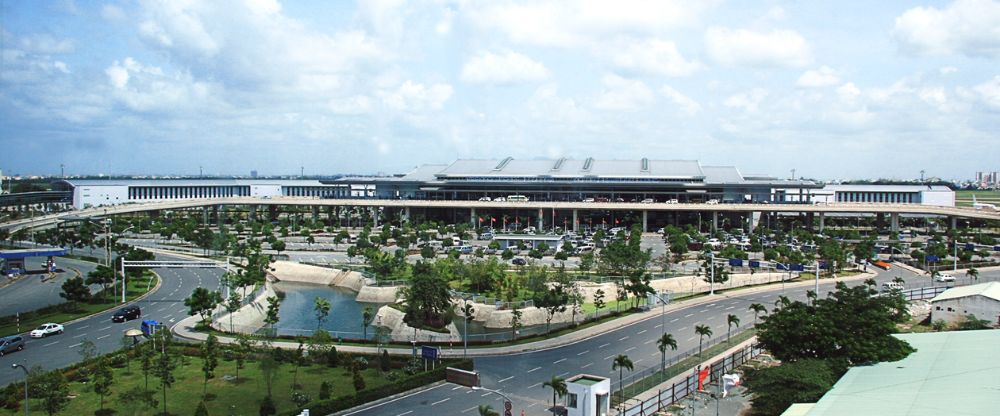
x: 29, y: 292
x: 521, y: 376
x: 164, y: 305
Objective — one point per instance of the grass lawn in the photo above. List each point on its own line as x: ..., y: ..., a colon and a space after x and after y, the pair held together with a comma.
x: 57, y: 314
x: 231, y: 398
x: 963, y: 198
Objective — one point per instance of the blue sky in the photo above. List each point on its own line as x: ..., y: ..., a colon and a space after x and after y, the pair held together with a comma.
x: 845, y: 89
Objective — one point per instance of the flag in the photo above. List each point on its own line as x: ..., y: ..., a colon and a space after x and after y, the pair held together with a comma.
x: 480, y: 220
x: 493, y: 219
x: 702, y: 375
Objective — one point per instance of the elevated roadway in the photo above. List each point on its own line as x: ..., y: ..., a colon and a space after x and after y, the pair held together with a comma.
x: 836, y: 208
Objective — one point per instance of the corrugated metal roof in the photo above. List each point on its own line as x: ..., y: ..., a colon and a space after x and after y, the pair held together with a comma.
x: 573, y: 167
x: 722, y: 174
x: 886, y: 188
x: 990, y: 290
x: 950, y: 373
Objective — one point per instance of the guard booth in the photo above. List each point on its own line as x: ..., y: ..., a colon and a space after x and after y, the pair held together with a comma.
x: 588, y: 395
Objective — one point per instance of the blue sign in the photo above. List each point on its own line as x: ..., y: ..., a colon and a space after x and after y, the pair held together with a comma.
x: 996, y: 248
x: 823, y: 265
x: 428, y: 353
x: 735, y: 262
x: 970, y: 247
x: 932, y: 259
x: 755, y: 264
x: 798, y: 268
x: 781, y: 266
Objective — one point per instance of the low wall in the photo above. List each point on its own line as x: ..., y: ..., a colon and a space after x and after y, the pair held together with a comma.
x: 400, y: 331
x: 374, y: 294
x: 288, y: 271
x: 250, y: 315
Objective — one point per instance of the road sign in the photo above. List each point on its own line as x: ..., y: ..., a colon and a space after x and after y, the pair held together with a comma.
x: 428, y: 353
x: 461, y: 377
x: 755, y: 264
x: 736, y: 262
x: 798, y: 268
x: 932, y: 259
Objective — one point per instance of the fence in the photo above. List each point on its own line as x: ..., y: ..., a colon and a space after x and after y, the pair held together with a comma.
x: 923, y: 292
x: 500, y: 304
x: 678, y: 391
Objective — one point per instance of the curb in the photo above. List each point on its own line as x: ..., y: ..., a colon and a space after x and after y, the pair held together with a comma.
x: 159, y: 282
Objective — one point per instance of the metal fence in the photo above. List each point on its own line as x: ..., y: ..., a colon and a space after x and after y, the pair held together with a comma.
x: 924, y: 292
x: 678, y: 391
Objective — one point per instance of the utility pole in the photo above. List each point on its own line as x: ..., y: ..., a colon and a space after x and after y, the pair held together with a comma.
x: 62, y: 171
x: 793, y: 174
x: 201, y: 173
x: 302, y: 171
x: 921, y: 175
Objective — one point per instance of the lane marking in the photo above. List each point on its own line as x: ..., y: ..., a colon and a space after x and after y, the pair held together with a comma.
x: 456, y: 388
x: 440, y: 401
x: 579, y: 354
x: 603, y: 345
x: 533, y: 369
x: 51, y: 343
x: 504, y: 379
x: 588, y: 365
x: 608, y: 357
x: 648, y: 342
x: 629, y: 349
x: 559, y: 361
x: 83, y: 327
x: 623, y: 338
x: 76, y: 345
x: 534, y: 385
x: 405, y: 413
x: 471, y: 408
x: 105, y: 328
x: 78, y: 336
x: 691, y: 339
x: 641, y: 332
x: 731, y: 307
x: 675, y: 320
x: 658, y: 325
x: 104, y: 336
x: 689, y: 315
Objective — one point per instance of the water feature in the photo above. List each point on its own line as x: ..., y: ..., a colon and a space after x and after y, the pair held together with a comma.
x: 297, y: 316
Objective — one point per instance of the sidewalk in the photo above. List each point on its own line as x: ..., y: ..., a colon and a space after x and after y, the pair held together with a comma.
x: 184, y: 329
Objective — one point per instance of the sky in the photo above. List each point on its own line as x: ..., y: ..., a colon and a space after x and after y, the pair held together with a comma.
x: 835, y: 90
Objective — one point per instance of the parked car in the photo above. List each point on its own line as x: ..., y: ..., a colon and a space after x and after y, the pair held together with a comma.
x: 127, y: 313
x: 712, y: 202
x: 671, y: 201
x: 518, y: 261
x: 499, y: 199
x: 485, y: 199
x: 46, y: 329
x: 647, y: 201
x: 588, y: 200
x: 11, y: 344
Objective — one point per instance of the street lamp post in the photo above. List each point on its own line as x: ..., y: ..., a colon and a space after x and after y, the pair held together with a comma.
x: 15, y: 365
x: 711, y: 281
x: 124, y: 285
x: 497, y: 392
x: 465, y: 328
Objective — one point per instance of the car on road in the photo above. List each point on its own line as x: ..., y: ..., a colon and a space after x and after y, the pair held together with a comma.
x: 11, y: 344
x: 712, y: 202
x: 499, y: 199
x: 887, y: 286
x: 944, y: 277
x: 47, y: 329
x: 647, y: 201
x: 127, y: 313
x: 485, y: 199
x: 588, y: 200
x: 518, y: 261
x: 671, y: 201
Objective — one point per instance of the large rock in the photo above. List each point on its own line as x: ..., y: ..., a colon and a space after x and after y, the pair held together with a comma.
x: 400, y: 331
x: 374, y: 294
x: 288, y: 271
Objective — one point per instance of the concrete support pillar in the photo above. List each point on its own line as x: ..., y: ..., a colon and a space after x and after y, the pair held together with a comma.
x: 215, y: 214
x: 809, y: 220
x: 541, y: 219
x: 715, y: 220
x: 576, y: 221
x: 204, y: 216
x: 253, y: 212
x: 406, y: 214
x: 374, y: 213
x: 473, y: 219
x: 272, y: 212
x: 894, y: 222
x: 315, y: 213
x: 953, y: 223
x: 645, y: 220
x: 822, y: 222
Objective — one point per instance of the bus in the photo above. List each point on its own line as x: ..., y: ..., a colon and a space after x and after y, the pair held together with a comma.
x: 517, y: 198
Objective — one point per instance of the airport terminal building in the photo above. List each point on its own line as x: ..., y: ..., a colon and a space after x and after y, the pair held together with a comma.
x: 642, y: 180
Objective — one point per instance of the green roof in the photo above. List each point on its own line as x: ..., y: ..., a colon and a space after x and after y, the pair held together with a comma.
x: 951, y: 373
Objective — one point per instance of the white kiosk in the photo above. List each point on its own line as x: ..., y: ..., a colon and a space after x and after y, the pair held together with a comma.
x: 588, y: 395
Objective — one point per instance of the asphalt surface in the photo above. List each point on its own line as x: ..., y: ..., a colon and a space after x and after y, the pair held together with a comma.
x: 521, y: 376
x: 165, y: 305
x: 35, y: 290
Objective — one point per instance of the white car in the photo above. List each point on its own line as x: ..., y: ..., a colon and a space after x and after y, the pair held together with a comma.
x: 485, y: 199
x: 712, y: 202
x: 671, y: 201
x: 46, y: 329
x: 944, y: 277
x: 647, y: 201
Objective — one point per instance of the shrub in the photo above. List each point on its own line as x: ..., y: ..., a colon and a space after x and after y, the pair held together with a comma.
x: 324, y: 391
x: 267, y: 407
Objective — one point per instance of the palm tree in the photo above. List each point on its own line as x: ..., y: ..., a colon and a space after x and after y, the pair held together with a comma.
x: 703, y: 331
x: 621, y: 363
x: 811, y: 295
x: 898, y: 279
x: 757, y: 309
x: 487, y: 410
x: 973, y: 273
x: 666, y: 340
x: 558, y: 385
x: 731, y: 320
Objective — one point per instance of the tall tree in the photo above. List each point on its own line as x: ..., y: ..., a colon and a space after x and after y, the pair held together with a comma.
x: 757, y: 309
x: 210, y: 360
x: 233, y: 304
x: 321, y: 307
x: 75, y: 290
x: 552, y: 301
x: 665, y: 341
x: 101, y: 275
x: 622, y: 363
x: 102, y: 378
x: 271, y: 316
x: 558, y: 386
x: 53, y: 390
x: 702, y: 331
x: 731, y: 320
x: 428, y: 297
x: 163, y: 369
x: 367, y: 316
x: 201, y: 302
x: 776, y: 388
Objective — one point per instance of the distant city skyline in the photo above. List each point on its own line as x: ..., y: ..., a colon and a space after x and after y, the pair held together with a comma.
x: 834, y: 90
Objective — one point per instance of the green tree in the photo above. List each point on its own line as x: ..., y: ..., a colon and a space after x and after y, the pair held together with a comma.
x: 558, y: 386
x: 271, y: 316
x: 367, y: 316
x: 622, y: 363
x: 201, y: 410
x: 201, y: 302
x: 857, y: 327
x: 972, y: 323
x: 774, y: 389
x: 731, y: 321
x: 324, y: 390
x: 75, y: 290
x: 278, y: 246
x: 487, y: 410
x: 757, y: 310
x: 101, y: 275
x: 232, y: 305
x: 428, y: 297
x: 665, y: 341
x: 357, y: 379
x: 515, y: 321
x: 599, y: 300
x: 269, y: 370
x: 972, y: 273
x: 101, y: 379
x: 702, y: 331
x: 267, y: 407
x: 552, y: 301
x: 210, y: 360
x: 321, y: 307
x: 53, y: 391
x: 427, y: 252
x: 163, y: 369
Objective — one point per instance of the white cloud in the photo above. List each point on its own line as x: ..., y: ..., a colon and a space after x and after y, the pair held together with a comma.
x: 989, y: 92
x: 44, y: 43
x: 146, y: 88
x: 443, y: 26
x: 503, y: 68
x: 622, y: 94
x: 747, y: 101
x: 573, y: 23
x: 359, y: 104
x: 687, y: 105
x: 968, y: 27
x: 947, y: 70
x: 651, y: 56
x: 818, y: 78
x: 414, y: 97
x: 112, y: 13
x: 848, y: 91
x: 776, y: 48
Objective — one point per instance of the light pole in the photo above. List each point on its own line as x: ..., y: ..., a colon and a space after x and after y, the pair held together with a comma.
x: 711, y: 281
x: 498, y: 392
x: 465, y: 328
x: 124, y: 285
x: 15, y: 365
